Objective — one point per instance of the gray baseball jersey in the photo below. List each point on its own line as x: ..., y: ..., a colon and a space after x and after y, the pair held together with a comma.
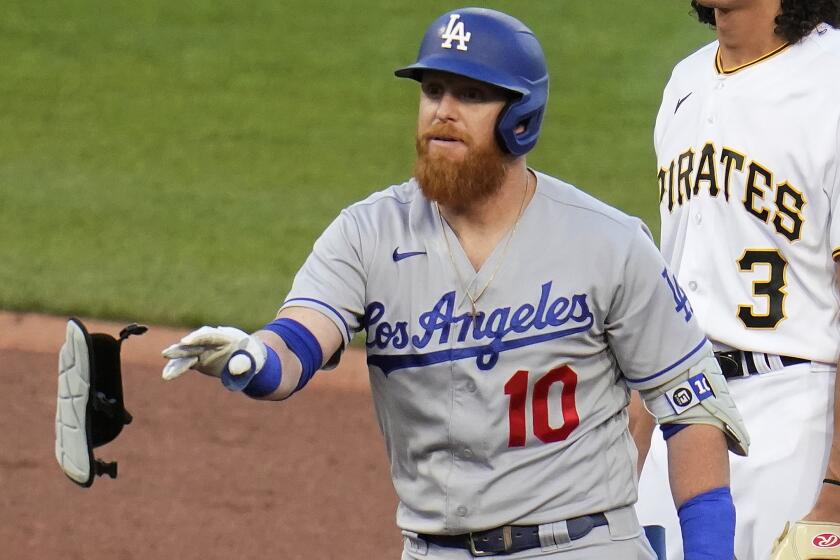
x: 515, y: 416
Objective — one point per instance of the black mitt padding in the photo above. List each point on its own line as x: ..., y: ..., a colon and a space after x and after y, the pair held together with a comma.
x: 90, y: 410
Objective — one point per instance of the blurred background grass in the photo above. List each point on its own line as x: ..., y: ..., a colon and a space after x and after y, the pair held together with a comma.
x: 173, y: 162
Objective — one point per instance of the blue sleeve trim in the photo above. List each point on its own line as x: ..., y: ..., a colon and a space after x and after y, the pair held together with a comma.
x: 707, y: 522
x: 328, y: 306
x: 672, y: 366
x: 302, y: 343
x: 268, y: 378
x: 669, y: 430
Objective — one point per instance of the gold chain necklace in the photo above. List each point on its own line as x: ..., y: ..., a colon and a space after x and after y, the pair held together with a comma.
x: 474, y: 300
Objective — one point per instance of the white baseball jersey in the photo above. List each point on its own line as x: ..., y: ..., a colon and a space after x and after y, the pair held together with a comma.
x: 516, y: 415
x: 749, y: 193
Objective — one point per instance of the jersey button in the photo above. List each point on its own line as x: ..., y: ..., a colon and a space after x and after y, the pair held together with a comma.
x: 692, y: 286
x: 471, y: 386
x: 467, y: 454
x: 461, y: 511
x: 698, y: 219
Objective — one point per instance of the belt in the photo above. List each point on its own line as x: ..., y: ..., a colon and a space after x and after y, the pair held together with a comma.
x: 732, y: 363
x: 512, y: 538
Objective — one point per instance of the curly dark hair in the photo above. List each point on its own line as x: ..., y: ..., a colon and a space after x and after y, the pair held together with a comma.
x: 797, y: 19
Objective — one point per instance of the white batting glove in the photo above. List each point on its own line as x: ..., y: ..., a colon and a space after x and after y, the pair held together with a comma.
x: 209, y: 349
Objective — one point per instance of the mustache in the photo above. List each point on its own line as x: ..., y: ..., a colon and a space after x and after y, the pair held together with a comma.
x: 444, y: 131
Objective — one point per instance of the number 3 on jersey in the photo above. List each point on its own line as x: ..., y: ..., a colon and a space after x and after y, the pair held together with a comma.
x: 773, y: 288
x: 517, y: 388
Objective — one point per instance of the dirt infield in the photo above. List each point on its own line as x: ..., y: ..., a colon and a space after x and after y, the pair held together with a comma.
x: 203, y: 473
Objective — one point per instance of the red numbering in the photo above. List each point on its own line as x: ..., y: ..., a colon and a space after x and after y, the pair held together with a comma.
x: 826, y: 540
x: 517, y: 388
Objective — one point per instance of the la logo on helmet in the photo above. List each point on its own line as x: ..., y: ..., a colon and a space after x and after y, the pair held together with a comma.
x: 455, y: 32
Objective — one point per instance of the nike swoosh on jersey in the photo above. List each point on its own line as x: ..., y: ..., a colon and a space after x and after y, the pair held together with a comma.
x: 680, y: 102
x: 400, y: 256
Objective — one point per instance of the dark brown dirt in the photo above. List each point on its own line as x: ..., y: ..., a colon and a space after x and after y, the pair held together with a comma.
x: 203, y: 473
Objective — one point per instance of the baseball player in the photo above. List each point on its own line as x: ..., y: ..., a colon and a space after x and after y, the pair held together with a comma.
x: 505, y: 313
x: 748, y: 149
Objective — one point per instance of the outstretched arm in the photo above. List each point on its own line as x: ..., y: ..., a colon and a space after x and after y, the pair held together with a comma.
x: 321, y: 327
x: 271, y: 364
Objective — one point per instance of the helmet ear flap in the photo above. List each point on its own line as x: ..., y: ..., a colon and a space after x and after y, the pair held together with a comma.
x: 502, y: 124
x: 523, y: 111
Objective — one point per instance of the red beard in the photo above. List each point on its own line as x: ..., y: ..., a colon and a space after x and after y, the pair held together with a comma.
x: 459, y: 184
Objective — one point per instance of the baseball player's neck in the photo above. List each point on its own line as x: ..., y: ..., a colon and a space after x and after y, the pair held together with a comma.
x: 746, y: 34
x: 482, y: 225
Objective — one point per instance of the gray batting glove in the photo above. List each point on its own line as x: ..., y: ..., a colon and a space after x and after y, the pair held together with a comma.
x: 209, y: 349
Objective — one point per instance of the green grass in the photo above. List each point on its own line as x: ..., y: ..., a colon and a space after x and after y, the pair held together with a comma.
x: 173, y: 162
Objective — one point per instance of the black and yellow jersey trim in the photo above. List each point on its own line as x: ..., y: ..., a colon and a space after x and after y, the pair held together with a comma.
x: 835, y: 254
x: 719, y: 65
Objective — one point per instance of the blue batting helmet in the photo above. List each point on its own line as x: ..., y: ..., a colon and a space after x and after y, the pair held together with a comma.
x: 497, y: 49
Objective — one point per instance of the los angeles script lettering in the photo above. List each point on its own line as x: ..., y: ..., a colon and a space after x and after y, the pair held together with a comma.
x: 441, y: 323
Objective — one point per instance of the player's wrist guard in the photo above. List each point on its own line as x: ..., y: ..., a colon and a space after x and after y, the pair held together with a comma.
x: 256, y: 371
x: 302, y: 343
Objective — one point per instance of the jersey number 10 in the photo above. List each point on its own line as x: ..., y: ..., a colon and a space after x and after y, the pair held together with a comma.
x: 517, y: 388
